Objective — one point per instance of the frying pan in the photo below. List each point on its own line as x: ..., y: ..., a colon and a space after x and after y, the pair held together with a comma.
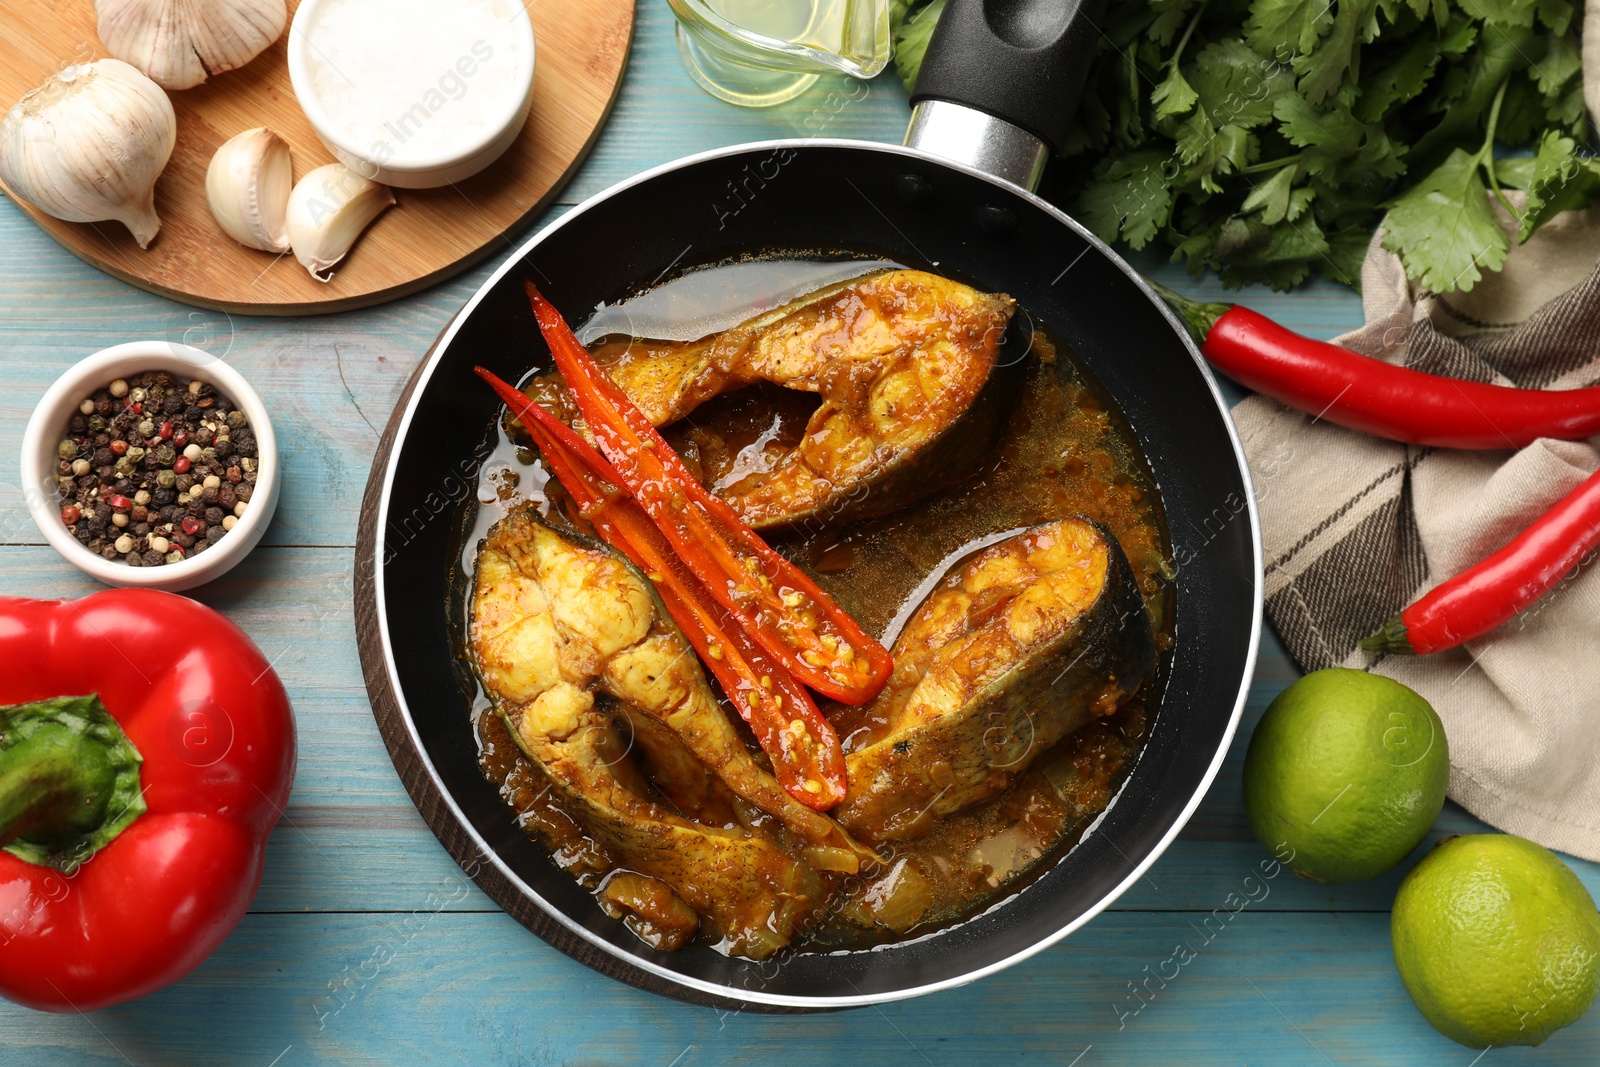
x: 995, y: 95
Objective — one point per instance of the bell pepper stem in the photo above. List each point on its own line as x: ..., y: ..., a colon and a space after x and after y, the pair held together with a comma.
x: 69, y: 781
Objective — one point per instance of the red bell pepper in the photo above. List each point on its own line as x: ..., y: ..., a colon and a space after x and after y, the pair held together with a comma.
x: 134, y: 829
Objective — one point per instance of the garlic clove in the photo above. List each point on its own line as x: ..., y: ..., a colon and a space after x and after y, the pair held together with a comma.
x: 176, y: 42
x: 89, y: 144
x: 327, y: 212
x: 248, y: 185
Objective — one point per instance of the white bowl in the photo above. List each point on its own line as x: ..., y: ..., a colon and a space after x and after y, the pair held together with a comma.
x: 378, y: 160
x: 48, y: 426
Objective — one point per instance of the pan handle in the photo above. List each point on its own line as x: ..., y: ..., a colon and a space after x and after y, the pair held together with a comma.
x: 1000, y: 82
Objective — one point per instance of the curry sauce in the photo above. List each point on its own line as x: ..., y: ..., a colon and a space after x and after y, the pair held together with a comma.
x: 1063, y: 452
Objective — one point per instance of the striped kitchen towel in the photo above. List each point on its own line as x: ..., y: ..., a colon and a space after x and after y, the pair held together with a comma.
x: 1355, y: 528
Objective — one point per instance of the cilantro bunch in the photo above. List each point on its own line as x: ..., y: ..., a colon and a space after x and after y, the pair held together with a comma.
x: 1265, y: 139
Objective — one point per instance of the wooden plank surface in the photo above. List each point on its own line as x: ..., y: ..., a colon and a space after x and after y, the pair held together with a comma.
x: 367, y: 945
x: 1269, y: 988
x: 428, y: 236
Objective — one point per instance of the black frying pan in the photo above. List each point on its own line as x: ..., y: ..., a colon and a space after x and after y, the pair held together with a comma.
x: 931, y: 206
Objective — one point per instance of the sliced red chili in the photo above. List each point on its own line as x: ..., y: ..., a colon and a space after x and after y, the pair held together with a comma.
x: 783, y: 609
x: 807, y: 758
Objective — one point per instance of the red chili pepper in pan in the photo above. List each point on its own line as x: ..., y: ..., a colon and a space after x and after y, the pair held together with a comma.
x: 785, y: 611
x: 146, y: 752
x: 1502, y: 585
x: 1378, y: 398
x: 807, y: 758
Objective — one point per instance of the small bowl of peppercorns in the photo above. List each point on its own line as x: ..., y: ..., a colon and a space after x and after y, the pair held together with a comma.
x: 151, y: 464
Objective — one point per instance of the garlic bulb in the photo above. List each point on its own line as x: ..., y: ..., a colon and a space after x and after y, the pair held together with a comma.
x: 88, y: 145
x: 176, y: 42
x: 327, y: 212
x: 248, y: 185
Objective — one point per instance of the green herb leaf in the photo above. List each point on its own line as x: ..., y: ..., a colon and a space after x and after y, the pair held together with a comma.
x: 1131, y: 197
x: 1170, y: 18
x: 1271, y: 197
x: 1561, y: 63
x: 1376, y: 163
x: 1347, y: 251
x: 1557, y: 181
x: 1556, y: 14
x: 912, y: 31
x: 1091, y: 128
x: 1569, y: 110
x: 1236, y: 86
x: 1502, y: 52
x: 1444, y: 229
x: 1264, y: 139
x: 1174, y: 96
x: 1398, y: 81
x: 1127, y: 115
x: 1328, y: 135
x: 1459, y: 35
x: 1505, y: 12
x: 1323, y: 71
x: 1282, y: 28
x: 1514, y: 173
x: 1522, y: 114
x: 1300, y: 201
x: 1281, y: 256
x: 1214, y: 153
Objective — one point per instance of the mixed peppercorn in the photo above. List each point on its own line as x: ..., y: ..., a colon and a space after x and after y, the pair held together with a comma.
x: 154, y: 470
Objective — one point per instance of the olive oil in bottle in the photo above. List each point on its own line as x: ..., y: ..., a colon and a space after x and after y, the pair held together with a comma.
x: 764, y: 52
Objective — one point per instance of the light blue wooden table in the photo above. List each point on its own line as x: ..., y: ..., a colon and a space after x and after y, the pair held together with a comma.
x: 367, y: 945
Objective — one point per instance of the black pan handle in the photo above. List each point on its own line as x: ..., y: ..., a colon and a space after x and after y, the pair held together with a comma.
x: 1022, y: 61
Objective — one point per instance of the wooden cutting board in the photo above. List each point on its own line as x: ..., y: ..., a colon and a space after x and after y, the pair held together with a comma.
x: 580, y: 52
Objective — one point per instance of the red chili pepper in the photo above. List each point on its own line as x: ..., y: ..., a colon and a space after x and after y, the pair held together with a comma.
x: 808, y: 762
x: 135, y: 829
x: 1502, y: 585
x: 1378, y: 398
x: 784, y: 610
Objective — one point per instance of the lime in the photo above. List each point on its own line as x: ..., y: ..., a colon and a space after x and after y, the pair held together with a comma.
x: 1345, y: 774
x: 1496, y: 940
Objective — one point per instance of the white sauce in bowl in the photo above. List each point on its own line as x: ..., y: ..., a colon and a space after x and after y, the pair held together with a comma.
x: 414, y: 84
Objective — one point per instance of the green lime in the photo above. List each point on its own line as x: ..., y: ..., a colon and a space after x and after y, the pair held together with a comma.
x: 1496, y: 940
x: 1345, y: 774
